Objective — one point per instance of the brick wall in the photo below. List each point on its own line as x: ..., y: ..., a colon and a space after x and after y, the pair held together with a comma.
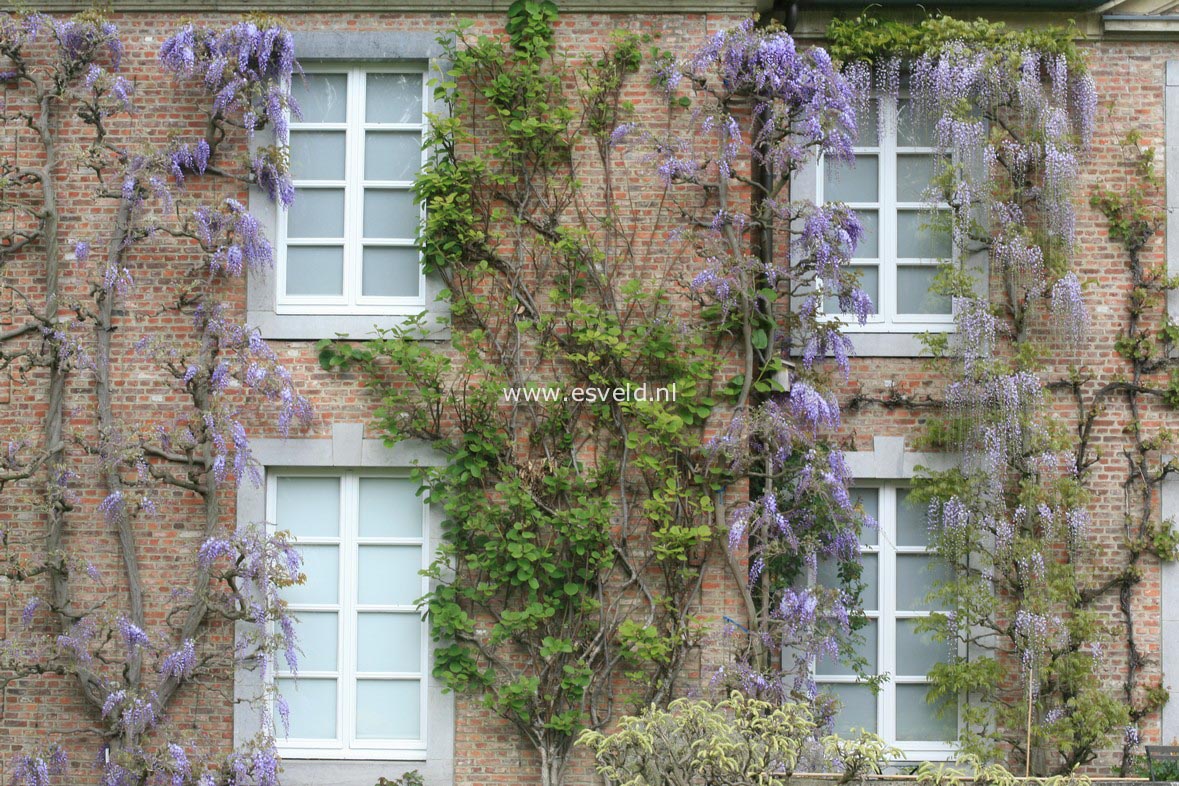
x: 488, y: 751
x: 36, y: 711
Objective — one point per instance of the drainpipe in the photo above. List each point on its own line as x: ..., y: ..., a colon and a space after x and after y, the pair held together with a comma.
x: 784, y: 12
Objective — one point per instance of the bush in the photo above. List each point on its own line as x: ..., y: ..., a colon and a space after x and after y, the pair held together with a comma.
x: 731, y: 743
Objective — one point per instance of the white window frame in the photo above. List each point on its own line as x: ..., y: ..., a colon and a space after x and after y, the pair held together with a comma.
x: 886, y: 615
x: 351, y: 301
x: 887, y: 319
x: 345, y: 745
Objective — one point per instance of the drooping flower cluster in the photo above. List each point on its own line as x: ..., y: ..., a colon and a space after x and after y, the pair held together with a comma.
x: 189, y: 158
x: 1068, y: 305
x: 181, y: 663
x: 247, y: 72
x: 134, y: 714
x: 1033, y: 634
x: 977, y: 330
x: 267, y: 562
x: 232, y: 239
x: 804, y: 103
x: 36, y: 769
x: 963, y: 91
x: 244, y: 67
x: 802, y: 512
x: 1000, y: 417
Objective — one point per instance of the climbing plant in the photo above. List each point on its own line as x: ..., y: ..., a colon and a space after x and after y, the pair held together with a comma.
x: 587, y: 247
x: 129, y: 652
x: 1014, y: 112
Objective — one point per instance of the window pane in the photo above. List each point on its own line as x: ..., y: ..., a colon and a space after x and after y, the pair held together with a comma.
x: 317, y: 212
x: 309, y: 507
x: 389, y: 575
x: 918, y: 237
x: 313, y: 707
x: 388, y: 709
x: 316, y: 631
x: 866, y: 649
x: 916, y: 576
x: 390, y: 214
x: 858, y: 182
x: 391, y: 272
x: 393, y: 98
x: 917, y: 720
x: 321, y: 565
x: 322, y: 98
x: 390, y: 508
x: 870, y: 576
x: 918, y: 652
x: 392, y: 155
x: 912, y: 524
x: 867, y: 125
x: 914, y: 174
x: 315, y: 270
x: 869, y: 245
x: 317, y: 155
x: 869, y: 500
x: 389, y: 642
x: 869, y: 282
x: 914, y: 128
x: 914, y: 291
x: 828, y: 576
x: 858, y: 709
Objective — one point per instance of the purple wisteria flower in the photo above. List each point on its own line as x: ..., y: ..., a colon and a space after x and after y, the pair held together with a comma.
x: 30, y: 610
x: 1068, y: 304
x: 1032, y: 631
x: 814, y: 410
x: 181, y: 770
x: 246, y: 68
x: 133, y: 636
x: 232, y: 238
x: 38, y: 769
x: 180, y: 663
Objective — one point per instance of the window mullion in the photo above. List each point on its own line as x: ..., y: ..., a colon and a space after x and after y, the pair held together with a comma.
x: 427, y: 92
x: 348, y: 577
x: 886, y: 705
x: 354, y: 208
x: 888, y: 213
x: 424, y: 663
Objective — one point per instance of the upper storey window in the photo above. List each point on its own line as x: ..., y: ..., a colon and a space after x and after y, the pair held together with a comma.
x: 347, y: 245
x: 904, y: 240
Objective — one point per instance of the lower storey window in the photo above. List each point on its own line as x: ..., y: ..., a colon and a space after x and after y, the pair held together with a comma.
x: 899, y: 573
x: 360, y: 690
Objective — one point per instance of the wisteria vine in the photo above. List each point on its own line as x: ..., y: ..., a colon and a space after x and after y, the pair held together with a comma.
x: 1013, y: 115
x: 76, y: 622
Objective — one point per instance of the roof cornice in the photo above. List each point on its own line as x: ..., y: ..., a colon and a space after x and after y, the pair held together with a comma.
x: 434, y: 7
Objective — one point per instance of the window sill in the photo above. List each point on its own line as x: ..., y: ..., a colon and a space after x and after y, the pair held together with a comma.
x: 873, y: 341
x: 358, y: 326
x: 370, y: 754
x: 917, y: 755
x: 343, y: 772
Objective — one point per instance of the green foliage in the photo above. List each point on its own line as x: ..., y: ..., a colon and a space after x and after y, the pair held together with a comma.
x: 1011, y: 520
x: 736, y: 742
x: 1133, y: 215
x: 874, y: 39
x: 976, y: 772
x: 1164, y: 770
x: 411, y: 778
x: 530, y: 26
x: 574, y: 531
